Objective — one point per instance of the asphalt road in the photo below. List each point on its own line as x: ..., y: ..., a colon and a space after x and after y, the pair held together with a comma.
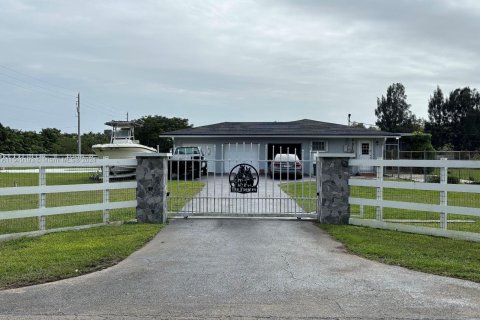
x: 246, y: 269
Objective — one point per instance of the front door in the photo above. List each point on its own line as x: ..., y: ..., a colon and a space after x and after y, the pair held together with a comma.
x: 365, y: 152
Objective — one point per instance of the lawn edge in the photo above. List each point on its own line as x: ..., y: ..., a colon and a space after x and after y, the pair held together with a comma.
x: 100, y: 266
x: 392, y: 263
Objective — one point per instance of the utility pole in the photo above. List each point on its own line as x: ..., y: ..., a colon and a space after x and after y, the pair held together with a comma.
x: 79, y: 137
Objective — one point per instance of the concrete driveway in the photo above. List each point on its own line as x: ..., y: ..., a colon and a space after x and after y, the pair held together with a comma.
x: 246, y: 269
x: 216, y: 198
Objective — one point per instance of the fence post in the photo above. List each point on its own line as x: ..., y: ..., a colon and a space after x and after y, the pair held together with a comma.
x: 424, y: 168
x: 411, y: 168
x: 398, y: 158
x: 379, y: 209
x: 333, y: 190
x: 42, y: 199
x: 443, y: 195
x: 106, y: 193
x: 318, y: 182
x: 151, y: 173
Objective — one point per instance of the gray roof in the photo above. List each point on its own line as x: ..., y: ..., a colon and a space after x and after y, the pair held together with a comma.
x: 299, y: 128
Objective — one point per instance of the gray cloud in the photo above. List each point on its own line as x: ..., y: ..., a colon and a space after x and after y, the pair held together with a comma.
x: 214, y: 61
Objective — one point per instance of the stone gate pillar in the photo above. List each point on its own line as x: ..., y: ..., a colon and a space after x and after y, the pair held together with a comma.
x: 152, y: 173
x: 332, y: 188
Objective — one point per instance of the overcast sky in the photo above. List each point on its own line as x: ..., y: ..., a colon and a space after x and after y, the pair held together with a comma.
x: 215, y: 61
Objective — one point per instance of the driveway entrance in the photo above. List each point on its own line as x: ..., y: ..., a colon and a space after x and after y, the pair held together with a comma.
x: 216, y: 199
x: 241, y: 182
x: 246, y: 269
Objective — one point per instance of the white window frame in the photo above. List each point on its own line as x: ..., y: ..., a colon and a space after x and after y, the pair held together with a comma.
x: 325, y: 143
x: 369, y: 153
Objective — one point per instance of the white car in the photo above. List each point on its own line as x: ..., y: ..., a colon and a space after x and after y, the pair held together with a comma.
x: 286, y: 164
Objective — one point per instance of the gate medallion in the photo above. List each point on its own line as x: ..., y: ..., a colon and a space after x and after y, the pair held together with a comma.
x: 243, y: 178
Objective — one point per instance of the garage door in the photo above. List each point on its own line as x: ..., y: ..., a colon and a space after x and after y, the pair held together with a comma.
x: 234, y: 154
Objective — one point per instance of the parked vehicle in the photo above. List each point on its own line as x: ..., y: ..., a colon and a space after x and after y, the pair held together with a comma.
x: 187, y: 162
x: 285, y: 164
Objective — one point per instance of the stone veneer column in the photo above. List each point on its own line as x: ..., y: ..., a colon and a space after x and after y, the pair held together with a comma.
x: 332, y: 187
x: 152, y: 172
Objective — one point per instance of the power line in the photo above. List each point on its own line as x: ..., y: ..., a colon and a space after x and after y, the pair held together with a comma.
x: 32, y: 88
x: 36, y: 79
x: 40, y: 111
x: 70, y: 91
x: 79, y: 136
x: 53, y: 95
x: 36, y: 85
x: 46, y: 88
x: 95, y: 108
x: 104, y: 106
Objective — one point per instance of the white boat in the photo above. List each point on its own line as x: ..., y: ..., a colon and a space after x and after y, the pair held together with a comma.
x: 122, y: 144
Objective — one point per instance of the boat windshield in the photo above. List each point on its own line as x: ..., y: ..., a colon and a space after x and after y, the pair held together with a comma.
x: 122, y: 133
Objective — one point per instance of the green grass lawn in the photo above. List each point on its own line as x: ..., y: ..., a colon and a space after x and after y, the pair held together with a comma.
x: 471, y: 174
x: 55, y: 256
x: 394, y: 194
x: 180, y: 193
x: 303, y: 192
x: 442, y: 256
x: 463, y: 174
x: 31, y: 179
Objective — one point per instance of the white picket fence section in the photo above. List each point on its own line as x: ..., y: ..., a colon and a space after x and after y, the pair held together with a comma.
x: 67, y: 164
x: 443, y: 187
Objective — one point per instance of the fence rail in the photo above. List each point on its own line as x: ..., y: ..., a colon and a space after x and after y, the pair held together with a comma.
x: 431, y: 155
x: 13, y: 161
x: 441, y: 208
x: 41, y: 186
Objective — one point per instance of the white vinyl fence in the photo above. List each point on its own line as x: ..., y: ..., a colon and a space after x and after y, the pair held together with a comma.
x: 436, y: 205
x: 39, y: 192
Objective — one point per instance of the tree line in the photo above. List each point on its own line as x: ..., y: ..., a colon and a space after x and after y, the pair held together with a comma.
x: 53, y: 141
x: 453, y: 121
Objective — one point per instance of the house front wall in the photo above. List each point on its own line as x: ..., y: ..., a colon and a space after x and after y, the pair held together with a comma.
x: 256, y: 150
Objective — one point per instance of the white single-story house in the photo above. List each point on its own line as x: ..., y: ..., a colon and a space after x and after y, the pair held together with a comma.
x: 258, y: 142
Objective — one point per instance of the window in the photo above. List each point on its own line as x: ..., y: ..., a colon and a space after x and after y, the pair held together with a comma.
x: 319, y: 146
x: 365, y: 148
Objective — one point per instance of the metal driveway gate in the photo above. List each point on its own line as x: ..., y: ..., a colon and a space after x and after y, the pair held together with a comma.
x: 241, y: 180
